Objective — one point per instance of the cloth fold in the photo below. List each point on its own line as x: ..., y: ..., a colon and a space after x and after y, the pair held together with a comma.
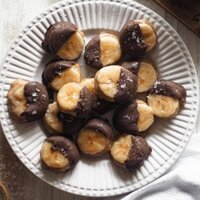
x: 181, y: 182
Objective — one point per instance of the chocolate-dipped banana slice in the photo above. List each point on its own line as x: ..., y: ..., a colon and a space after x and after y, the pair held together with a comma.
x: 96, y: 137
x: 59, y: 153
x: 137, y: 37
x: 145, y: 71
x: 133, y: 118
x: 58, y: 73
x: 115, y: 83
x: 58, y: 122
x: 75, y: 99
x: 65, y: 40
x: 102, y: 50
x: 100, y: 106
x: 27, y: 101
x: 166, y: 98
x: 130, y: 152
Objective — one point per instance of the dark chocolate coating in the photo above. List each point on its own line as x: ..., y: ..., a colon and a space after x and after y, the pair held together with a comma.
x: 132, y: 66
x: 101, y: 126
x: 56, y: 35
x: 126, y: 118
x: 139, y: 151
x: 54, y: 69
x: 131, y: 40
x: 127, y: 86
x: 101, y: 106
x: 66, y: 147
x: 92, y: 53
x: 37, y: 101
x: 170, y: 89
x: 71, y: 125
x: 84, y: 106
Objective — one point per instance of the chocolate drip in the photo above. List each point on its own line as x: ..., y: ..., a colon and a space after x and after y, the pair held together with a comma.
x: 131, y: 40
x: 92, y: 53
x: 56, y: 35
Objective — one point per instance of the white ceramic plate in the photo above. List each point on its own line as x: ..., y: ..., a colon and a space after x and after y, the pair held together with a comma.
x: 168, y: 138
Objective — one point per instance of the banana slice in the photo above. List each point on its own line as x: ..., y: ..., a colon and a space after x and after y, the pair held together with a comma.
x: 145, y: 71
x: 89, y: 83
x: 73, y: 47
x: 16, y: 99
x: 65, y: 40
x: 146, y: 117
x: 133, y: 118
x: 27, y: 101
x: 166, y: 98
x: 130, y: 152
x: 116, y: 84
x: 58, y: 73
x: 102, y: 50
x: 137, y: 37
x: 53, y: 124
x: 59, y: 153
x: 75, y: 99
x: 110, y: 51
x: 100, y: 106
x: 96, y: 137
x: 148, y: 33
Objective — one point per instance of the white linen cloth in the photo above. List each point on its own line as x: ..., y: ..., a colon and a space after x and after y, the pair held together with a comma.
x: 180, y: 182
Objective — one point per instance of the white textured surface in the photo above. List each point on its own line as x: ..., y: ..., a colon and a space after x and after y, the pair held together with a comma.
x: 167, y: 141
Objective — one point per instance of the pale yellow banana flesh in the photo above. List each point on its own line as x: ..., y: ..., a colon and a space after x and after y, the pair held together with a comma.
x: 147, y: 76
x: 53, y: 158
x: 73, y: 47
x: 89, y: 84
x: 72, y: 74
x: 110, y: 51
x: 148, y: 33
x: 17, y: 100
x: 121, y: 148
x: 146, y: 117
x: 68, y: 96
x: 107, y: 79
x: 91, y: 142
x: 163, y: 106
x: 51, y: 119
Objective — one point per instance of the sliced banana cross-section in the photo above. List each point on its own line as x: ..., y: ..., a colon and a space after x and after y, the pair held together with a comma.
x: 133, y: 118
x: 130, y: 152
x: 102, y: 50
x: 58, y: 73
x: 166, y: 98
x: 73, y: 47
x: 137, y: 37
x: 116, y: 84
x: 53, y: 124
x: 145, y: 71
x: 59, y: 153
x: 75, y: 99
x: 96, y: 137
x: 65, y: 40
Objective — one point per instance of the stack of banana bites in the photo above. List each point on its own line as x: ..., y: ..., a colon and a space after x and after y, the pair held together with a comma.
x: 72, y: 106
